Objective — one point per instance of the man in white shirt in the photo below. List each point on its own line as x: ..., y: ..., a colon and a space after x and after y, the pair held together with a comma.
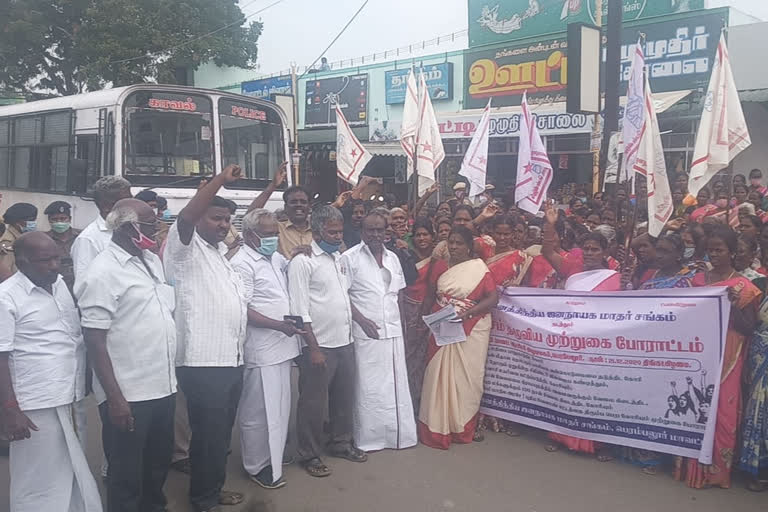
x: 96, y: 236
x: 127, y: 318
x: 270, y: 346
x: 211, y: 315
x: 383, y: 409
x: 317, y: 288
x: 42, y: 373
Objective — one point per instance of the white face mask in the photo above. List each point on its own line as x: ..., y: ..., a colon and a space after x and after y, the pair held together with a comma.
x: 688, y: 253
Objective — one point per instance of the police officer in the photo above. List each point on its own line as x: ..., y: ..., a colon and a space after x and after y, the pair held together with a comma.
x: 19, y: 218
x: 60, y: 218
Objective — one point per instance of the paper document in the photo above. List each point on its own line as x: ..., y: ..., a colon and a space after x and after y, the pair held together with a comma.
x: 444, y: 327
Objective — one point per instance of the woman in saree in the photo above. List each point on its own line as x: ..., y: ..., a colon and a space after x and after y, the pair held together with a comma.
x: 453, y: 379
x: 416, y: 331
x: 464, y: 216
x: 542, y: 274
x: 508, y: 268
x: 584, y: 270
x: 746, y: 259
x: 744, y: 297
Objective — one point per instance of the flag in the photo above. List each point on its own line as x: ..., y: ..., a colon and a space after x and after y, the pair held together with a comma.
x: 429, y: 144
x: 409, y: 127
x: 651, y: 164
x: 476, y: 160
x: 534, y: 172
x: 634, y: 122
x: 351, y: 156
x: 723, y: 132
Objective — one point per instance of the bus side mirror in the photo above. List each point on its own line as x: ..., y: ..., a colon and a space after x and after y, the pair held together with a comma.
x: 78, y: 171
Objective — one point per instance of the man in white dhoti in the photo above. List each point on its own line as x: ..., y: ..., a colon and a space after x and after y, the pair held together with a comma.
x: 270, y: 345
x: 42, y: 374
x: 383, y: 415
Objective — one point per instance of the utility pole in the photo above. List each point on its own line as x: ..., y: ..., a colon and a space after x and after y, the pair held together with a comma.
x: 612, y: 78
x: 594, y: 147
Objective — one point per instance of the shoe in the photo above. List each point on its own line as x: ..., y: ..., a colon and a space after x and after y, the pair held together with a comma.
x: 264, y: 479
x: 288, y: 460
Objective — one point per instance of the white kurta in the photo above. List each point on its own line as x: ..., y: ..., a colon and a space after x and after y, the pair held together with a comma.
x: 49, y: 471
x: 265, y: 409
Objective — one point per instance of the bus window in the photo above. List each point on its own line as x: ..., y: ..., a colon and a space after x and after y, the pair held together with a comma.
x: 252, y: 137
x: 168, y: 137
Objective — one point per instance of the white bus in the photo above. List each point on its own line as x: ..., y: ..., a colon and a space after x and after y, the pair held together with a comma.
x: 162, y: 137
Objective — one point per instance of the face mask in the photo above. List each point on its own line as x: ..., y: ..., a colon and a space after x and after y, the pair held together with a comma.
x: 31, y: 225
x: 60, y: 227
x: 756, y: 182
x: 721, y: 203
x: 328, y: 247
x: 143, y: 243
x: 166, y: 214
x: 688, y: 253
x: 268, y: 245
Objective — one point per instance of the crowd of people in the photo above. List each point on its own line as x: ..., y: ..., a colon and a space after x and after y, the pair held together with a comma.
x: 190, y: 328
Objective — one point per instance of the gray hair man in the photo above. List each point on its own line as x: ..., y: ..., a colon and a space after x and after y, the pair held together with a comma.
x: 271, y: 344
x: 318, y: 291
x: 42, y: 371
x: 124, y: 299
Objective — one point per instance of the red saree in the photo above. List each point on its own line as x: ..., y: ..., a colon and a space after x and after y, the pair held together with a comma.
x: 509, y: 268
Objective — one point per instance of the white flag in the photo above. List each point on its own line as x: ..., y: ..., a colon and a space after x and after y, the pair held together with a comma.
x: 534, y: 172
x: 429, y: 144
x: 651, y: 164
x: 633, y: 123
x: 723, y: 133
x: 351, y: 156
x: 409, y: 127
x: 476, y: 160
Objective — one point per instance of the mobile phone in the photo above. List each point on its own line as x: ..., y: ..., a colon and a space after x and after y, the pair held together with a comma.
x: 297, y: 321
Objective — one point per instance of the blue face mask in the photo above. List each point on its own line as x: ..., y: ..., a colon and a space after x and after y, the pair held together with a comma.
x: 31, y: 225
x: 329, y: 247
x: 268, y: 245
x: 166, y: 214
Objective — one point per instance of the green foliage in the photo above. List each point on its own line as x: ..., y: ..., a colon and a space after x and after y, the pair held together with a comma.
x: 70, y: 46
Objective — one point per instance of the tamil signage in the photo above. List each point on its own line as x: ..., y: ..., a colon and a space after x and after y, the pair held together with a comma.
x: 266, y: 87
x: 505, y: 73
x: 496, y: 21
x: 439, y: 79
x: 350, y: 92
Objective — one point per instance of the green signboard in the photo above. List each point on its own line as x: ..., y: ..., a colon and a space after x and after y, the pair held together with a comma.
x: 496, y: 21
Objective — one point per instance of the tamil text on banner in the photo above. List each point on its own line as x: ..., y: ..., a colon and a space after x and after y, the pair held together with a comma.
x: 264, y: 88
x: 639, y: 369
x: 439, y: 78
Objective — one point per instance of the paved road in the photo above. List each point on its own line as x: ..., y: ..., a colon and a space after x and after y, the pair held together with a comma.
x: 499, y: 475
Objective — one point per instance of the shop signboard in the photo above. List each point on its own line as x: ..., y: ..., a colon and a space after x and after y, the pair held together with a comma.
x: 264, y: 88
x: 497, y: 21
x: 350, y: 92
x: 439, y: 78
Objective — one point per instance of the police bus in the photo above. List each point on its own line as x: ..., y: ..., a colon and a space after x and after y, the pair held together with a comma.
x: 162, y: 137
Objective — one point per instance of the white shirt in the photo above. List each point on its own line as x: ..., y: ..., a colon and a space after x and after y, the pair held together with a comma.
x: 374, y: 290
x: 266, y: 292
x: 135, y: 307
x: 42, y: 333
x: 318, y: 291
x: 90, y: 243
x: 211, y: 313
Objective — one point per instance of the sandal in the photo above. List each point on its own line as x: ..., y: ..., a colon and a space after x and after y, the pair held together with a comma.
x: 551, y: 448
x: 478, y: 437
x: 350, y: 453
x: 604, y: 457
x: 649, y: 470
x: 316, y: 468
x: 230, y: 498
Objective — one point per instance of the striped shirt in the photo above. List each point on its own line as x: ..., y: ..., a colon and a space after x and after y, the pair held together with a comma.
x: 211, y: 310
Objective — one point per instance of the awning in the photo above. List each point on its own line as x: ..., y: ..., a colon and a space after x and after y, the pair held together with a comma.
x: 663, y: 100
x: 384, y: 148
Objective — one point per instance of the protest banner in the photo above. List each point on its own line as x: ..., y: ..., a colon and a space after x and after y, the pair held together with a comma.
x: 639, y: 369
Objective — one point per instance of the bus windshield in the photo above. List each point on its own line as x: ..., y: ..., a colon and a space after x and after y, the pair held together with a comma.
x: 251, y: 137
x: 168, y: 138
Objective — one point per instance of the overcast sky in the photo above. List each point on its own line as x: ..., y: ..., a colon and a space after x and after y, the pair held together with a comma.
x: 298, y: 30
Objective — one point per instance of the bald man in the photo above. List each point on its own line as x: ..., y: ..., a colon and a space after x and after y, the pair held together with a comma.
x: 127, y: 318
x: 40, y: 339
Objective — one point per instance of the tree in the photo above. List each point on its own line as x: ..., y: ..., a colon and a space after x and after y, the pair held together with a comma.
x: 70, y: 46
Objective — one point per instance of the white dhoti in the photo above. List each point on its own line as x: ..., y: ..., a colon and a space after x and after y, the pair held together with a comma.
x: 49, y: 471
x: 264, y: 412
x: 383, y: 415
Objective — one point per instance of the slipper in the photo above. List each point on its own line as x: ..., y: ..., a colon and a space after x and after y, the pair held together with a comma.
x: 604, y: 458
x: 551, y: 448
x: 230, y: 498
x: 649, y: 470
x: 350, y: 453
x: 478, y: 437
x: 316, y: 468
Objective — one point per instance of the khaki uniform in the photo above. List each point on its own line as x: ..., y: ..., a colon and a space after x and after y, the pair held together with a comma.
x: 67, y: 267
x: 7, y: 257
x: 291, y: 237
